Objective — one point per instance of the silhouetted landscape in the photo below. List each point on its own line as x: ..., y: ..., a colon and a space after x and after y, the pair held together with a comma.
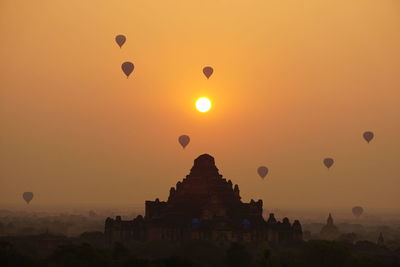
x: 77, y: 239
x: 203, y: 223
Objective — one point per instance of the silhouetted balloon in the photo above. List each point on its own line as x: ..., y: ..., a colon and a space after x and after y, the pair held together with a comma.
x: 208, y: 71
x: 328, y: 162
x: 28, y: 196
x: 357, y: 211
x: 262, y: 171
x: 120, y: 39
x: 368, y: 136
x: 184, y: 140
x: 127, y: 68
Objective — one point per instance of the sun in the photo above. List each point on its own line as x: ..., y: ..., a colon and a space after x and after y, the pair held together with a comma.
x: 203, y: 104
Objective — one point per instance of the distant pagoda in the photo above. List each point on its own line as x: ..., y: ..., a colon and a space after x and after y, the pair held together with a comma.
x: 381, y: 241
x: 330, y: 230
x: 204, y: 206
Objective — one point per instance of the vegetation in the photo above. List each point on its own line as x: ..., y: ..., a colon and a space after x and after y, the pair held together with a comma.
x: 308, y: 254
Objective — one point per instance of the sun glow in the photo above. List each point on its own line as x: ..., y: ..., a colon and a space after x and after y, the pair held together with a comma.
x: 203, y: 104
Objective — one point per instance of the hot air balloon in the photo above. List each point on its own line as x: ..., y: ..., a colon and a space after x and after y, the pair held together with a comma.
x: 184, y: 140
x: 368, y: 136
x: 262, y: 171
x: 120, y: 40
x: 357, y: 211
x: 208, y: 71
x: 28, y: 196
x: 127, y: 68
x: 328, y: 162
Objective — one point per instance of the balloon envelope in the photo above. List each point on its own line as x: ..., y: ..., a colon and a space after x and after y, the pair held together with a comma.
x: 28, y: 196
x: 328, y: 162
x: 208, y: 71
x: 368, y: 136
x: 184, y: 140
x: 262, y: 171
x: 127, y: 68
x: 120, y: 40
x: 357, y: 211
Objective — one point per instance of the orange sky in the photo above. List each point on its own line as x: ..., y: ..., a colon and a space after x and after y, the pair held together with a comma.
x: 294, y: 82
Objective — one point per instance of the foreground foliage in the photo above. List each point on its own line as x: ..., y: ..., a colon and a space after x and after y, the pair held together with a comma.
x: 162, y: 254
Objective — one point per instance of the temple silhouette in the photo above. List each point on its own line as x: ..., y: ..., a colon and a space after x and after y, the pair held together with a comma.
x: 330, y: 230
x: 203, y: 206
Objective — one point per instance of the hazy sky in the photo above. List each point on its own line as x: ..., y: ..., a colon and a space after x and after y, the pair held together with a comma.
x: 294, y: 82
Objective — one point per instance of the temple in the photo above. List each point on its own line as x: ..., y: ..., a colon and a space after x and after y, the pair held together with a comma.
x: 203, y: 206
x: 329, y: 231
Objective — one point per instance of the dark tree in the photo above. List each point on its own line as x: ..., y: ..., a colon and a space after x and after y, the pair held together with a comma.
x: 237, y: 256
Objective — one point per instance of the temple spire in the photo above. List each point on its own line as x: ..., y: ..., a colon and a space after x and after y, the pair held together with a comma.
x: 330, y: 220
x: 381, y: 241
x: 204, y: 165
